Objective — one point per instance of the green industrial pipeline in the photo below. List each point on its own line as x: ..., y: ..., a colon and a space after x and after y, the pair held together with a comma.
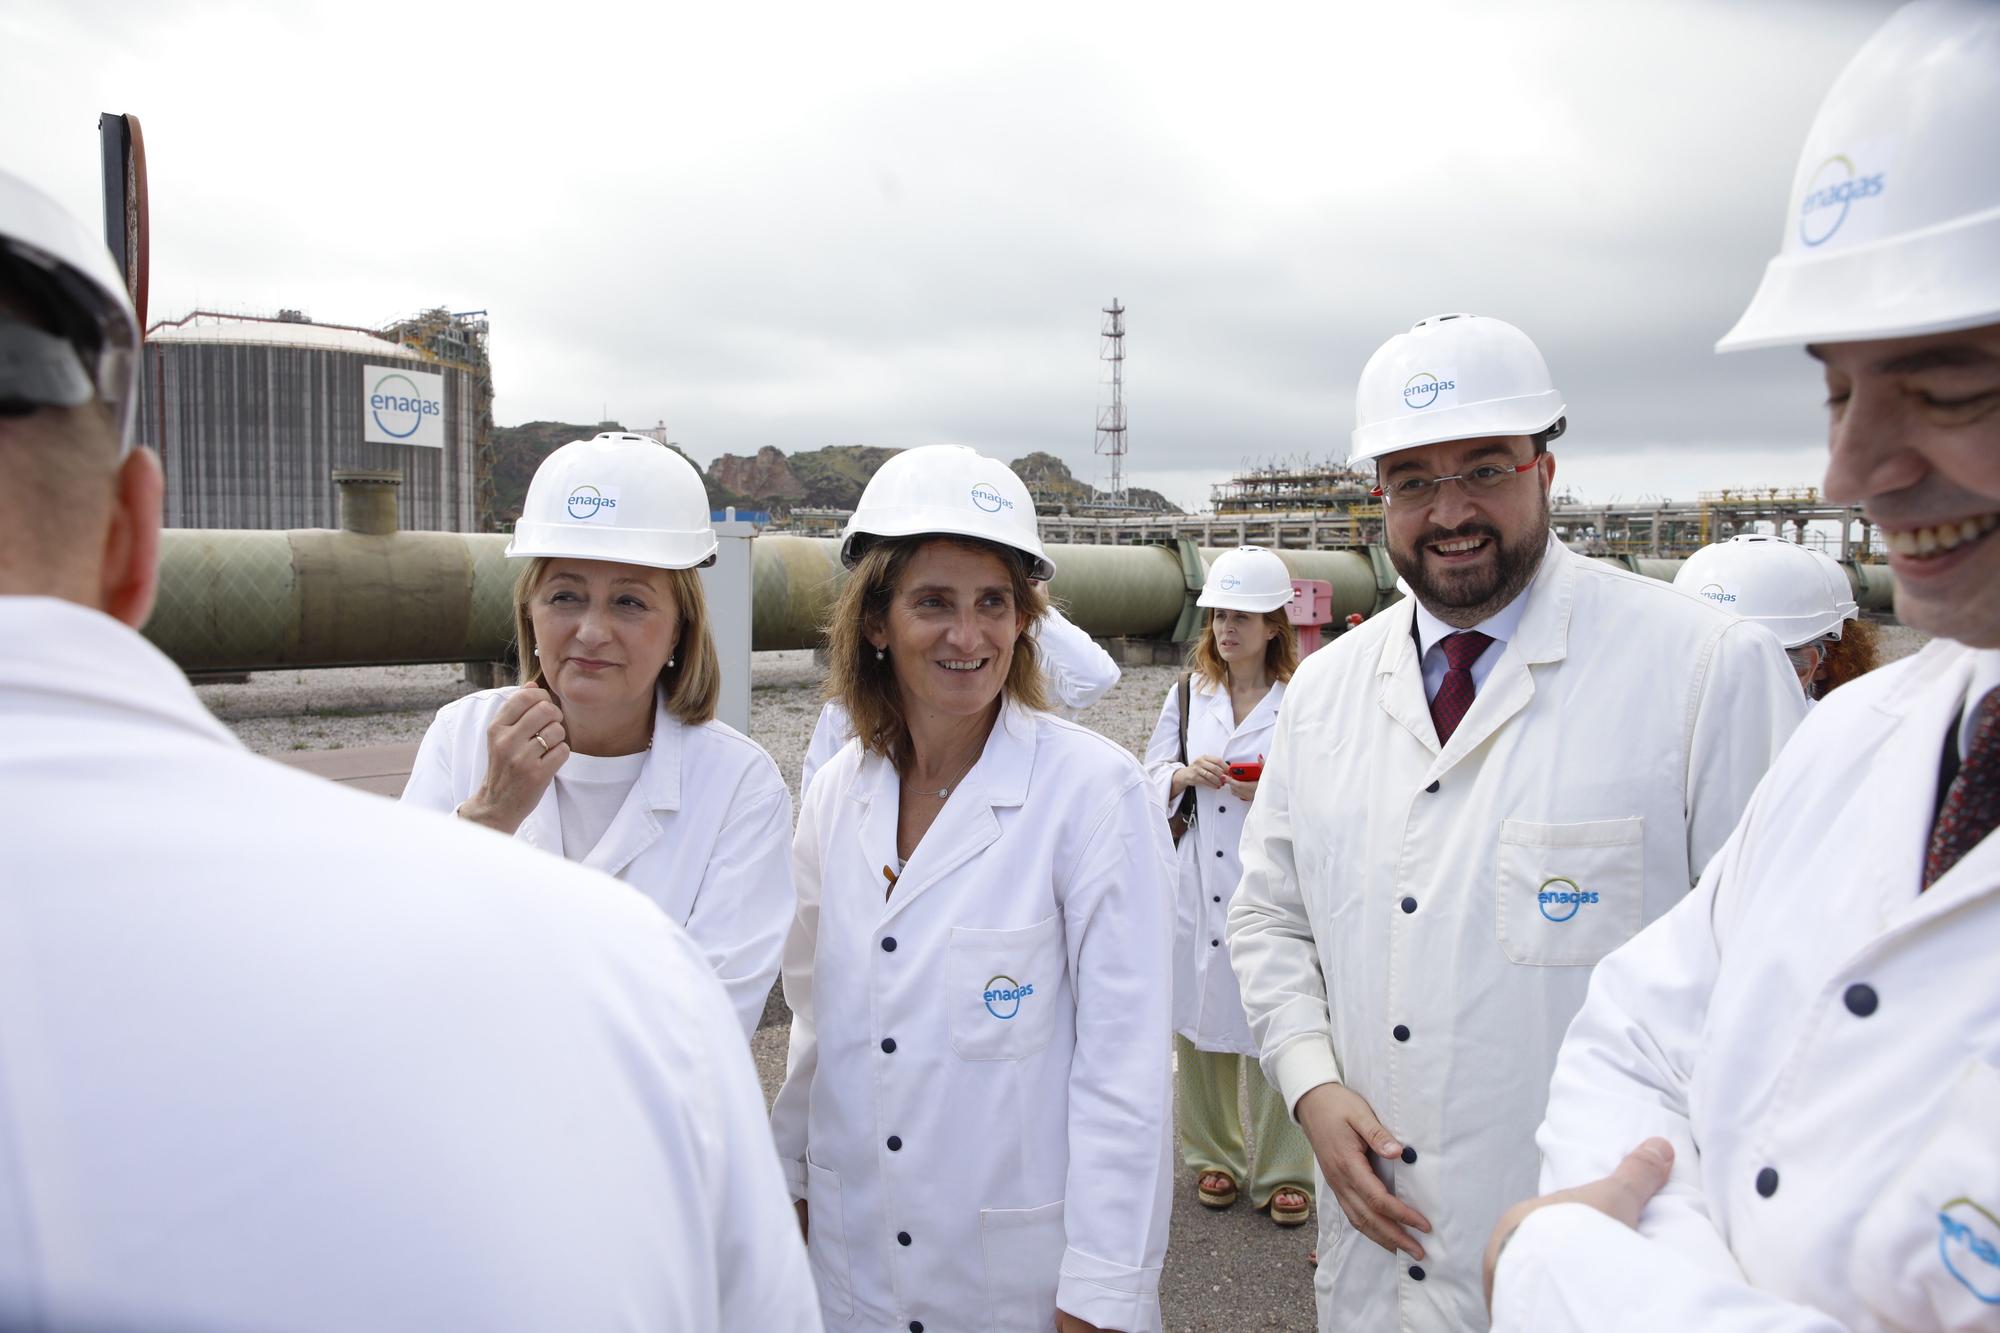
x: 367, y: 595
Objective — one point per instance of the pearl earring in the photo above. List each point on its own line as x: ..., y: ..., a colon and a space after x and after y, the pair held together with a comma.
x: 536, y: 651
x: 670, y: 663
x: 878, y: 654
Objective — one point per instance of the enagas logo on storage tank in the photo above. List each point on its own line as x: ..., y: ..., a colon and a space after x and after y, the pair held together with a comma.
x: 587, y: 502
x: 402, y: 407
x: 1969, y: 1245
x: 1003, y: 995
x: 1426, y: 389
x: 989, y: 498
x: 1832, y: 192
x: 1560, y: 899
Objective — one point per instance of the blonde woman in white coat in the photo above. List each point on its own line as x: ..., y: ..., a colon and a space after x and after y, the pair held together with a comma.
x: 608, y: 753
x: 975, y: 1114
x: 1238, y: 669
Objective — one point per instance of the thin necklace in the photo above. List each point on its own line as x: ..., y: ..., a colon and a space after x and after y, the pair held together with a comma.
x: 944, y: 793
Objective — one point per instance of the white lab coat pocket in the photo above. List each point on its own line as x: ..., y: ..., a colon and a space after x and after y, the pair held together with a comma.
x: 1023, y: 1249
x: 1570, y: 893
x: 826, y: 1243
x: 1004, y: 986
x: 1927, y: 1252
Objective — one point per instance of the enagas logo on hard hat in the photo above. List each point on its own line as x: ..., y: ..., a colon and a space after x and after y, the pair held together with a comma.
x: 588, y: 502
x: 1422, y: 389
x: 1229, y: 583
x: 1969, y: 1245
x: 1560, y: 899
x: 399, y: 406
x: 1003, y: 995
x: 1718, y: 594
x: 990, y: 499
x: 1834, y: 188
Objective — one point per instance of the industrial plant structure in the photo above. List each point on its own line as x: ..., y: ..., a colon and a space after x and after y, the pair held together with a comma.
x: 252, y: 415
x: 1296, y: 486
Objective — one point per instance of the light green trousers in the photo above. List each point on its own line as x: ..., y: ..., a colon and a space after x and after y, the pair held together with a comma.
x: 1211, y: 1124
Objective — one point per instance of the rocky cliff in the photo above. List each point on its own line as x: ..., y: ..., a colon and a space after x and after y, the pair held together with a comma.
x: 826, y: 478
x: 766, y: 478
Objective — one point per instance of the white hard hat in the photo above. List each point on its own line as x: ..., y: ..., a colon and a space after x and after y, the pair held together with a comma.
x: 619, y: 497
x: 1892, y: 227
x: 1769, y: 580
x: 1451, y: 377
x: 68, y: 275
x: 1838, y: 586
x: 1248, y: 578
x: 946, y: 489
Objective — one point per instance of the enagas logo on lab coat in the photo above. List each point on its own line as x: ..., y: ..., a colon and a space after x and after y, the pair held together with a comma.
x: 1560, y: 899
x: 1004, y: 995
x: 1969, y: 1245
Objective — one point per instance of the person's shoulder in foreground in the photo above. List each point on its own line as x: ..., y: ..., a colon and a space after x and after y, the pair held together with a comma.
x: 285, y: 1055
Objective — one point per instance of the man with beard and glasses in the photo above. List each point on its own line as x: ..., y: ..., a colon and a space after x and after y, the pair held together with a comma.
x: 1469, y: 800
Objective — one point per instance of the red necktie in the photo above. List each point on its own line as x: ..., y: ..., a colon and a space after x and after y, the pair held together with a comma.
x: 1971, y: 808
x: 1454, y: 696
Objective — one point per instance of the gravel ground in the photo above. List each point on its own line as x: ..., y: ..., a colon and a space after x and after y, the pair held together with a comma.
x: 1898, y: 641
x: 276, y: 712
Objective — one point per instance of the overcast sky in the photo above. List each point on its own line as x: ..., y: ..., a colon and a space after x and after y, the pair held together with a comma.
x: 895, y: 225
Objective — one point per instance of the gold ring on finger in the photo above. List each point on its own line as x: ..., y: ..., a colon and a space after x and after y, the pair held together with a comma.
x: 539, y: 741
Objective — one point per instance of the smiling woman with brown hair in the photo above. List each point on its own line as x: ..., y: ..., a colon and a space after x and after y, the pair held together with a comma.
x: 975, y: 1113
x: 608, y: 752
x: 865, y: 683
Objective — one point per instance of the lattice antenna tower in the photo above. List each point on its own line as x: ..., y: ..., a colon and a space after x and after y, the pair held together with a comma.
x: 1111, y: 420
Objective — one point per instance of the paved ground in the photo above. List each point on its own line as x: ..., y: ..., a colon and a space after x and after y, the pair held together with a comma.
x: 1229, y: 1272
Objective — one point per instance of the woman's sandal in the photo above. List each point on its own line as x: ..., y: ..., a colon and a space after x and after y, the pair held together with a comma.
x: 1289, y: 1206
x: 1214, y: 1196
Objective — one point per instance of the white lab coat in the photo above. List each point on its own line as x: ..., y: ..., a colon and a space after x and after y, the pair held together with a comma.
x: 1734, y: 1024
x: 705, y: 833
x: 1079, y: 673
x: 1391, y: 930
x: 279, y: 1055
x: 1208, y: 1011
x: 980, y: 1063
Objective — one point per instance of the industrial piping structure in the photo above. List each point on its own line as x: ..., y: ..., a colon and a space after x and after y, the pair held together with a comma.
x: 368, y: 595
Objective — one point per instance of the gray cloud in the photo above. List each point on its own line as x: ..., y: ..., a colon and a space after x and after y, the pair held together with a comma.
x: 801, y: 227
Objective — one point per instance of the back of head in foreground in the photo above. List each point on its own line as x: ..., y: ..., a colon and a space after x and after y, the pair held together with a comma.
x: 274, y: 1055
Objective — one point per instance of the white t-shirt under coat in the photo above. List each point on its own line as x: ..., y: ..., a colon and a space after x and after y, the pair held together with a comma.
x: 590, y: 790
